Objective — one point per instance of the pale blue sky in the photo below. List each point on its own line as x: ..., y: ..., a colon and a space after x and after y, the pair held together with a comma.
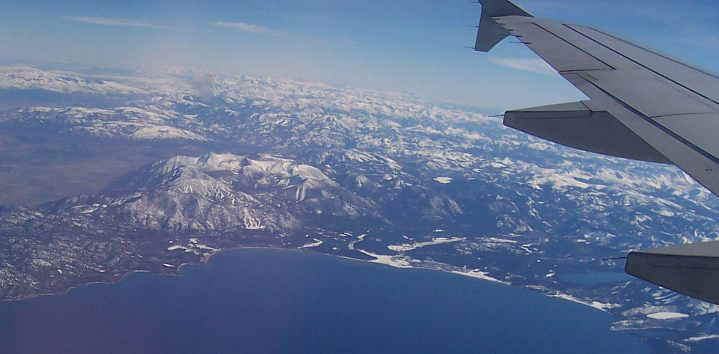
x: 415, y: 46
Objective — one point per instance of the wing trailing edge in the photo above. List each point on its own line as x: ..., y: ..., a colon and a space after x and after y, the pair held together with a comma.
x: 689, y: 269
x: 578, y: 126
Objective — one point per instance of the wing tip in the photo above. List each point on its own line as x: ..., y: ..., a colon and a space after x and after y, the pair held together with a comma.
x: 490, y: 33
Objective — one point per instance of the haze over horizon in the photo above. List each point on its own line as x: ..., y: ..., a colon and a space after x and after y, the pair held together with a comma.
x: 418, y: 47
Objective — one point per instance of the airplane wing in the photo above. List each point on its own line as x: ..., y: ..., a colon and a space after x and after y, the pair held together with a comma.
x: 643, y: 105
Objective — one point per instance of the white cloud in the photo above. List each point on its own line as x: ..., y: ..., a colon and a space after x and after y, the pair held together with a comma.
x: 104, y: 21
x: 245, y: 27
x: 532, y: 65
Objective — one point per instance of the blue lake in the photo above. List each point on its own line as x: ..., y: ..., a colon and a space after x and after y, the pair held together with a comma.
x: 274, y: 301
x: 595, y: 278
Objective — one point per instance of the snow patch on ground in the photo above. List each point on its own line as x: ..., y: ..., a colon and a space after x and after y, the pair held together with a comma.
x: 401, y: 261
x: 499, y: 240
x: 701, y: 338
x: 594, y: 304
x: 317, y: 243
x: 392, y: 261
x: 667, y: 315
x: 476, y: 273
x: 435, y: 241
x: 443, y: 180
x: 166, y: 132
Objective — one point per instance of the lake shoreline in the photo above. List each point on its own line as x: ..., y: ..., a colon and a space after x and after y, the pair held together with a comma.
x: 384, y: 260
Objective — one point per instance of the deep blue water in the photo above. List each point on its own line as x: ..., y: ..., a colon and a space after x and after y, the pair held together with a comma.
x: 272, y: 301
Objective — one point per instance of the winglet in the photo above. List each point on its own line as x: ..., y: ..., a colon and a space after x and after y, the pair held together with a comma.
x: 490, y: 32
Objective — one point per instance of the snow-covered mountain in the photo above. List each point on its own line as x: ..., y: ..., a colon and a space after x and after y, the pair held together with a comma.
x: 225, y: 192
x: 26, y: 78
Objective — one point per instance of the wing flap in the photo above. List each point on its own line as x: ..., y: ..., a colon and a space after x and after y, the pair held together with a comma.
x: 699, y: 129
x: 576, y: 125
x: 695, y: 161
x: 631, y: 86
x: 690, y: 270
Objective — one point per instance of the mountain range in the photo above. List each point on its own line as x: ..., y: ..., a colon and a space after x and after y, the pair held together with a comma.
x: 107, y: 174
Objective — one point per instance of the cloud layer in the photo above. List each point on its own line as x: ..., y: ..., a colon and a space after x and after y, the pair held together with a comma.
x: 245, y: 27
x: 120, y: 22
x: 532, y: 65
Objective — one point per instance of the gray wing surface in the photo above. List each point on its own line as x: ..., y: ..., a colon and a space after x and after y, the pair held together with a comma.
x: 643, y: 105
